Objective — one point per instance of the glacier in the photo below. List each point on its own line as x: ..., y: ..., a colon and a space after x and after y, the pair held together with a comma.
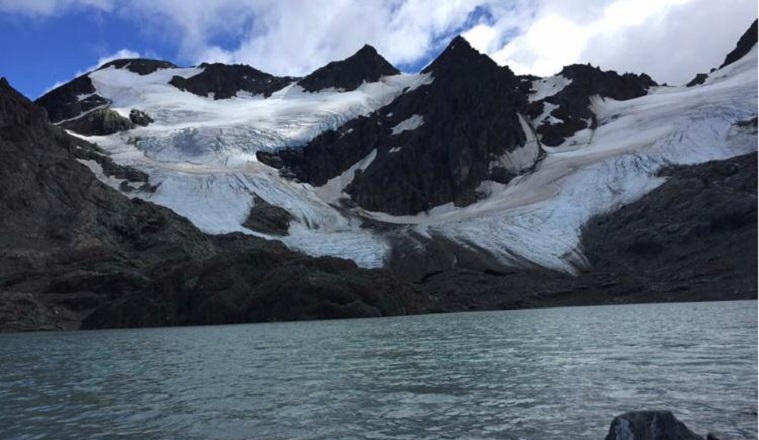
x: 201, y: 156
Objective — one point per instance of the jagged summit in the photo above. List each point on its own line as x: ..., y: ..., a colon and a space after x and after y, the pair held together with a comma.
x: 432, y: 145
x: 140, y: 66
x: 565, y: 110
x: 366, y: 65
x: 459, y: 55
x: 225, y: 80
x: 745, y: 44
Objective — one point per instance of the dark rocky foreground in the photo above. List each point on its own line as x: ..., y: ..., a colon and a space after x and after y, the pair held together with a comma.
x: 74, y: 252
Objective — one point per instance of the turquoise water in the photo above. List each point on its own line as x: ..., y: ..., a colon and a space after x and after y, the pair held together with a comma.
x: 560, y: 373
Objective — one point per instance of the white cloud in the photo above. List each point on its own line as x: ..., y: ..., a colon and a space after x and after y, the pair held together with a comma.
x: 51, y: 7
x: 296, y: 36
x: 669, y: 39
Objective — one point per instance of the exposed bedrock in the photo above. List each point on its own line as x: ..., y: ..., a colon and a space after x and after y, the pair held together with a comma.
x: 72, y: 247
x: 573, y: 101
x: 140, y: 66
x: 267, y: 218
x: 224, y: 81
x: 434, y: 144
x: 747, y: 41
x: 71, y: 100
x: 693, y: 238
x: 101, y: 122
x: 366, y: 65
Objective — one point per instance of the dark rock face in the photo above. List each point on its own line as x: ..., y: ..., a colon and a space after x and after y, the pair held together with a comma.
x: 224, y: 81
x: 692, y: 239
x: 64, y: 102
x: 649, y: 425
x: 264, y: 283
x: 745, y: 44
x: 140, y: 66
x: 267, y: 218
x: 70, y: 245
x: 574, y: 99
x: 699, y: 79
x: 133, y: 179
x: 366, y: 65
x: 458, y: 125
x: 694, y: 235
x: 100, y: 122
x: 139, y: 117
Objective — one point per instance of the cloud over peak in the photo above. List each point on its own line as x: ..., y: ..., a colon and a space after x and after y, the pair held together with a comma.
x: 669, y: 39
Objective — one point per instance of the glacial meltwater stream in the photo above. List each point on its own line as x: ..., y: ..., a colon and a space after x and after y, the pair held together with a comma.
x: 546, y: 374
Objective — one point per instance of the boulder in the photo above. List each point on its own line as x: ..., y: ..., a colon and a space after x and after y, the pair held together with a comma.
x: 650, y: 425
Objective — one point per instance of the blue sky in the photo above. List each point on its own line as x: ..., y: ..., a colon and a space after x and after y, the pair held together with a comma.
x: 45, y: 42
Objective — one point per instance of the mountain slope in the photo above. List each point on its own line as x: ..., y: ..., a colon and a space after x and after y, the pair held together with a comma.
x: 431, y: 146
x: 70, y: 245
x: 366, y: 65
x: 446, y: 170
x: 743, y: 47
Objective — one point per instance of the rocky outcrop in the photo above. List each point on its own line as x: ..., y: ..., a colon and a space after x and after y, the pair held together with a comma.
x: 71, y: 247
x: 262, y: 281
x: 743, y: 47
x: 140, y: 66
x: 225, y: 81
x: 434, y: 144
x: 267, y: 218
x: 745, y: 44
x: 100, y: 122
x: 573, y: 101
x: 366, y: 65
x: 697, y: 80
x: 693, y: 237
x: 71, y: 100
x: 139, y: 117
x: 651, y: 425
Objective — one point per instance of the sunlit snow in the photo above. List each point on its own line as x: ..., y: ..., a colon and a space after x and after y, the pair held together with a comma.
x: 201, y: 154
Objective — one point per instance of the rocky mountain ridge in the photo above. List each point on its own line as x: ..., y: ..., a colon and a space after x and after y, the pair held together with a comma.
x: 473, y: 180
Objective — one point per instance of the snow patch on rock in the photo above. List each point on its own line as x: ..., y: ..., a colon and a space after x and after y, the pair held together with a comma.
x: 411, y: 123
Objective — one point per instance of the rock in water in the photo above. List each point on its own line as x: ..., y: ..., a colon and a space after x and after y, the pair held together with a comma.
x: 650, y: 425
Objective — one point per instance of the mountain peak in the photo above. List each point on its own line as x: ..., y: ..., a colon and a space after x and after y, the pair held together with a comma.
x: 140, y: 66
x: 366, y: 65
x: 367, y: 49
x: 226, y: 80
x: 458, y: 53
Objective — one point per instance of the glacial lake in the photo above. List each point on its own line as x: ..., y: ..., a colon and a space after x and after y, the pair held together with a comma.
x: 545, y: 374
